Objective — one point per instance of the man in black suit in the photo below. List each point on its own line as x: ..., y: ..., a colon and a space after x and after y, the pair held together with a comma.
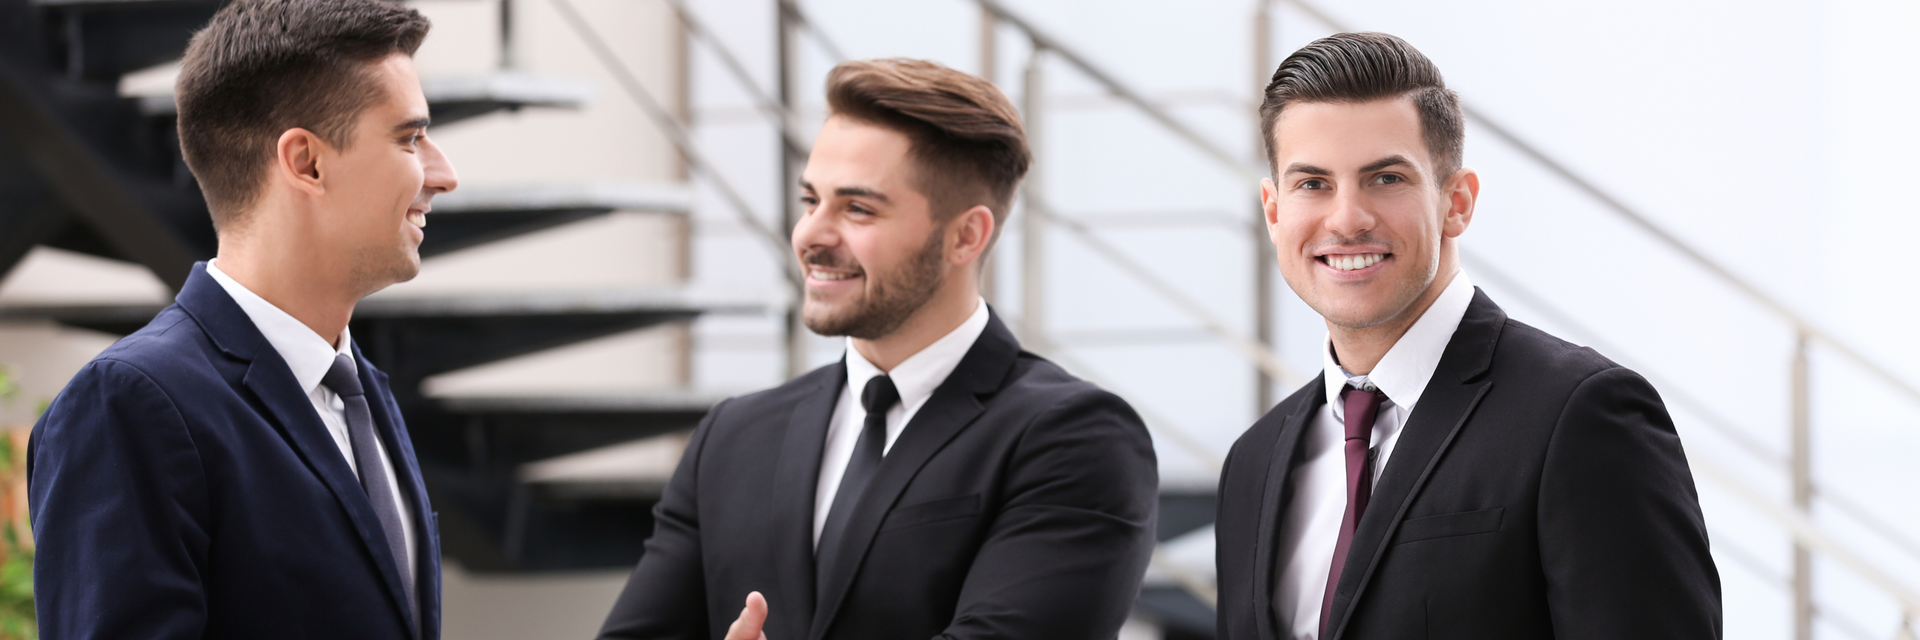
x: 937, y: 482
x: 1453, y: 474
x: 237, y: 469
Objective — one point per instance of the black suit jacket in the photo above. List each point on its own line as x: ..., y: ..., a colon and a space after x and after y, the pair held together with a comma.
x: 1538, y: 490
x: 184, y: 487
x: 1018, y: 503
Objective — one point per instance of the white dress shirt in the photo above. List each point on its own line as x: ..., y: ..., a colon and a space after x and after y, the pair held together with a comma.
x: 916, y: 378
x: 310, y: 357
x: 1312, y: 520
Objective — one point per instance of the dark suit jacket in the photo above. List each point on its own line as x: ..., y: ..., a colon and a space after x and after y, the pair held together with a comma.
x: 1537, y: 491
x: 1018, y: 503
x: 184, y: 487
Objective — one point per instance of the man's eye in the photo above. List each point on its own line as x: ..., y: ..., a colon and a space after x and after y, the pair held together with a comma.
x: 1314, y: 185
x: 1390, y: 178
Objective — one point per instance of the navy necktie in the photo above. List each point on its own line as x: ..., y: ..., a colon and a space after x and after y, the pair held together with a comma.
x: 344, y: 380
x: 880, y: 396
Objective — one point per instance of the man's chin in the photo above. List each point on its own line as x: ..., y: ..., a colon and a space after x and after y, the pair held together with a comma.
x: 1355, y: 314
x: 409, y: 269
x: 827, y: 321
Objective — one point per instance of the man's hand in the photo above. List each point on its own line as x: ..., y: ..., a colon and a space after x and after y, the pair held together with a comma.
x: 751, y: 620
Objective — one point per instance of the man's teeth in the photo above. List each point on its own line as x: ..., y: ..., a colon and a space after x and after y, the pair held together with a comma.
x: 417, y: 219
x: 1355, y: 262
x: 827, y: 275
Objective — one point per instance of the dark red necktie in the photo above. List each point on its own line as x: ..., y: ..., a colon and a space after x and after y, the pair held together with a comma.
x: 1361, y: 405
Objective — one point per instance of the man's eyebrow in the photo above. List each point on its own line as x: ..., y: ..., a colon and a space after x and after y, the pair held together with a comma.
x: 1389, y: 161
x: 1308, y: 169
x: 860, y: 192
x: 416, y: 123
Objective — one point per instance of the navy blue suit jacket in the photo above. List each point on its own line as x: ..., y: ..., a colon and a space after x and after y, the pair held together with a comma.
x: 184, y: 487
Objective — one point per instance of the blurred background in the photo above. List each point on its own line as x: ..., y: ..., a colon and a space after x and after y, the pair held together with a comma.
x: 1718, y: 194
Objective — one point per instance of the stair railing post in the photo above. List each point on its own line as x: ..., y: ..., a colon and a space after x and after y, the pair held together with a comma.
x: 508, y: 56
x: 1263, y: 259
x: 1033, y: 230
x: 787, y: 58
x: 989, y: 64
x: 1801, y: 464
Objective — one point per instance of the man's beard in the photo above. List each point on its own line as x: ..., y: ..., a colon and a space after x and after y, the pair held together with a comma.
x: 889, y: 299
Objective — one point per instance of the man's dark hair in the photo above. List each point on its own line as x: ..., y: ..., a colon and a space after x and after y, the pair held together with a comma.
x: 262, y: 67
x: 1363, y: 67
x: 969, y: 146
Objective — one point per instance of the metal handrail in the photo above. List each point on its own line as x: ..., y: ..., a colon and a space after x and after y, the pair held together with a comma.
x: 1044, y: 40
x: 767, y: 103
x: 1261, y: 354
x: 1700, y: 409
x: 1809, y: 534
x: 675, y: 131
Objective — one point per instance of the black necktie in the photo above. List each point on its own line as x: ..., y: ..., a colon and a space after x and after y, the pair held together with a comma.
x: 879, y: 396
x: 344, y: 380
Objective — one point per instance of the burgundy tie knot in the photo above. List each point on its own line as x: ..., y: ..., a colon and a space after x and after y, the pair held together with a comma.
x: 1362, y: 407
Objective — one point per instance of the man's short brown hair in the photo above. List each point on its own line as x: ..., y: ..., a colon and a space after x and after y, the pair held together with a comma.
x: 262, y: 67
x: 1363, y: 67
x: 967, y: 141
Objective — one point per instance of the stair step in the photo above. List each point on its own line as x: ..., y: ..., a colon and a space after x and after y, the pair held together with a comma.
x: 471, y: 216
x: 421, y: 336
x: 452, y: 99
x: 120, y: 36
x: 506, y: 432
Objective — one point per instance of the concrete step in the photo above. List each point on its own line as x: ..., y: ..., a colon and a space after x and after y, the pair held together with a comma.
x: 452, y: 99
x: 474, y: 216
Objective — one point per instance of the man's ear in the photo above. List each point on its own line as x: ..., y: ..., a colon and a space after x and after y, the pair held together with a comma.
x: 1270, y: 209
x: 1463, y: 190
x: 297, y: 161
x: 972, y: 231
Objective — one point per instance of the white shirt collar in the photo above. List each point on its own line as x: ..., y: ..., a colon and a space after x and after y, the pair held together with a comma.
x: 921, y: 373
x: 1404, y: 372
x: 306, y: 353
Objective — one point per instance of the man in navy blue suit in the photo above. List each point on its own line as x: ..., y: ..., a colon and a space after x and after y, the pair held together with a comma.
x: 237, y: 469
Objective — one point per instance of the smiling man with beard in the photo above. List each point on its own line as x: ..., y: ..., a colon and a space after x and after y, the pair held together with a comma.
x: 938, y: 482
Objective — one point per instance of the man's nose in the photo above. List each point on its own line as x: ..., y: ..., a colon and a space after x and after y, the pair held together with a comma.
x: 814, y: 230
x: 1352, y: 215
x: 441, y: 177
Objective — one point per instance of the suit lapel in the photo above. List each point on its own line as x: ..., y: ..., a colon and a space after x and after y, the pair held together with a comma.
x: 1273, y: 502
x: 1455, y: 390
x: 954, y: 405
x: 796, y: 479
x: 393, y: 433
x: 272, y: 382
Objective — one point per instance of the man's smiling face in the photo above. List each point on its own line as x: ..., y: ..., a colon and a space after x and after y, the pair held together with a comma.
x: 868, y: 244
x: 381, y: 186
x: 1356, y: 214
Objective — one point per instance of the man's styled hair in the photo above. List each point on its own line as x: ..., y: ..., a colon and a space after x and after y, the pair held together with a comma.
x: 1363, y: 67
x: 969, y: 146
x: 262, y: 67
